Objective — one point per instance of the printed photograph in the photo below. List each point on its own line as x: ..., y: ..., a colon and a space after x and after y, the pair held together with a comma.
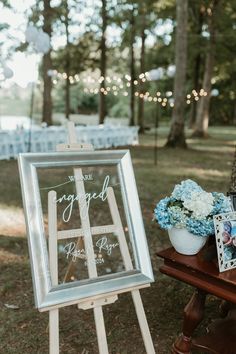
x: 225, y: 231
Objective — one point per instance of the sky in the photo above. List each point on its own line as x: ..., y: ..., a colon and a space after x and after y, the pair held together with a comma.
x: 23, y: 65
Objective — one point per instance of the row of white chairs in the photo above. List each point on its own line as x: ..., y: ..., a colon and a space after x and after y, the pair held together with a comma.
x: 45, y: 139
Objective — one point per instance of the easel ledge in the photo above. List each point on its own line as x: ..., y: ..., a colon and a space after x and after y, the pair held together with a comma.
x: 86, y: 233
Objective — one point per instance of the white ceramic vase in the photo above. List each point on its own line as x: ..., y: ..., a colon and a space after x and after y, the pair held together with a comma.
x: 185, y: 242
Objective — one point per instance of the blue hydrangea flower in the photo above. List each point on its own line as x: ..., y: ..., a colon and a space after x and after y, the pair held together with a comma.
x: 201, y: 227
x: 183, y: 190
x: 162, y: 214
x: 172, y: 211
x: 222, y: 204
x: 177, y: 216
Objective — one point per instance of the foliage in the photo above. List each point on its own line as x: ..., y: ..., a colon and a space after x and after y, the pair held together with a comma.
x: 80, y: 102
x: 83, y: 53
x: 84, y: 26
x: 119, y: 110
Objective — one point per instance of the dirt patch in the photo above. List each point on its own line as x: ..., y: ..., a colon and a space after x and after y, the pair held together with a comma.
x: 12, y: 222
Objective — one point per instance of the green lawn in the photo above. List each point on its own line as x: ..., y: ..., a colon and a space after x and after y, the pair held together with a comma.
x: 206, y: 161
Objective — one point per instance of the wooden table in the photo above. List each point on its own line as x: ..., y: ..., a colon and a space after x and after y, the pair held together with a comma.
x: 203, y: 274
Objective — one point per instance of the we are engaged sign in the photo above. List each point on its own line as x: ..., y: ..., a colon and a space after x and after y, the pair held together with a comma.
x: 84, y: 224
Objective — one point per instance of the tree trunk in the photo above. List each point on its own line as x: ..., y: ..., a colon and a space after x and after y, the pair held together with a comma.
x: 202, y: 119
x: 67, y: 68
x: 132, y: 69
x: 142, y: 70
x: 103, y: 63
x: 234, y: 117
x: 196, y: 84
x: 197, y: 67
x: 176, y: 137
x: 47, y: 65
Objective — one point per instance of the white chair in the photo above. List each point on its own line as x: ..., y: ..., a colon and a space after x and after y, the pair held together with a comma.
x: 5, y: 151
x: 135, y: 135
x: 17, y: 142
x: 38, y: 140
x: 51, y: 139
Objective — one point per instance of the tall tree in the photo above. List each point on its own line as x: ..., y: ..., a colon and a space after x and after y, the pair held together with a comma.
x: 232, y: 186
x: 103, y: 63
x: 176, y: 135
x: 202, y: 118
x: 142, y: 66
x: 47, y: 65
x: 67, y: 67
x: 197, y: 16
x: 132, y: 66
x: 234, y: 117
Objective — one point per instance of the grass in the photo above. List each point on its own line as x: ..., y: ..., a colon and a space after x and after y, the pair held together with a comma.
x: 24, y: 329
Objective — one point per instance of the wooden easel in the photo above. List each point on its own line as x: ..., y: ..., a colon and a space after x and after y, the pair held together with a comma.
x: 84, y: 234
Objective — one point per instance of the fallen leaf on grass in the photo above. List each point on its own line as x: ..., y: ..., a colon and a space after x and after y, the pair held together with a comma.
x: 11, y: 307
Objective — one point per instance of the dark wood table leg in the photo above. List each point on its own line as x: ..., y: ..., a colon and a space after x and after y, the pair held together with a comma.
x: 193, y: 315
x: 221, y: 336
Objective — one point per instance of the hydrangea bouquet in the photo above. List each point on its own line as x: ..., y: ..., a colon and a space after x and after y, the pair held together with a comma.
x: 190, y: 207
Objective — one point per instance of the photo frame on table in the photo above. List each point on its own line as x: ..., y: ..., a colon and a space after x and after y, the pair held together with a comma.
x: 232, y: 196
x: 44, y: 172
x: 225, y: 233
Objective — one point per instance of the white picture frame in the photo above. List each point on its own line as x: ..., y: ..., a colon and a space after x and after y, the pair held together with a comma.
x: 48, y: 297
x: 225, y: 234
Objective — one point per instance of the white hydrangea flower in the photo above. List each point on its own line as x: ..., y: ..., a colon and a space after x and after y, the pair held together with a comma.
x: 200, y: 203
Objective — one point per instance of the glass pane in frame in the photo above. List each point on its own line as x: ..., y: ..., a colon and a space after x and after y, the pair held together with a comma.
x: 96, y: 198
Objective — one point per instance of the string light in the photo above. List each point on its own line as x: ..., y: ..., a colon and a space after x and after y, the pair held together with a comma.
x: 118, y: 83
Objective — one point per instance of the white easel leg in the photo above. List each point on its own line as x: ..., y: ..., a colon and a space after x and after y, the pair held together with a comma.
x: 53, y: 261
x: 143, y: 322
x: 54, y: 331
x: 100, y: 329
